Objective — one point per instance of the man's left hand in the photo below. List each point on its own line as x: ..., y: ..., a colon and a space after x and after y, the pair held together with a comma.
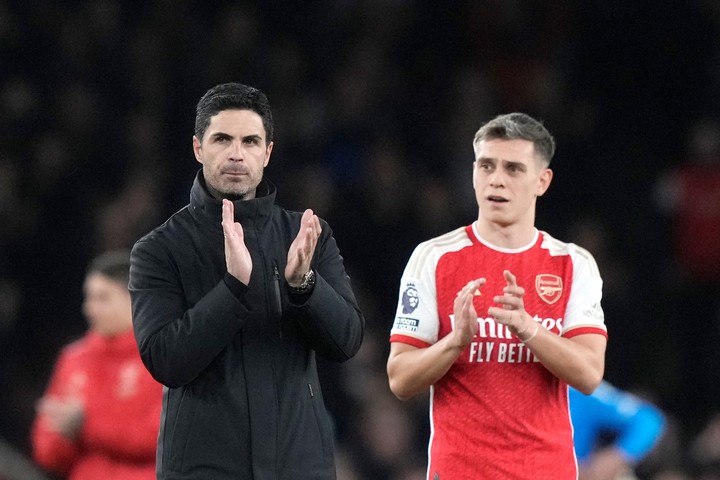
x: 512, y: 313
x: 302, y: 248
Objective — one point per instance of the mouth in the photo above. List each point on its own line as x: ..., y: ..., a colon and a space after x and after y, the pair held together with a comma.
x: 234, y: 172
x: 497, y: 199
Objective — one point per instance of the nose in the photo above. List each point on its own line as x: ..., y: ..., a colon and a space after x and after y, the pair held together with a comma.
x: 237, y: 152
x: 497, y: 179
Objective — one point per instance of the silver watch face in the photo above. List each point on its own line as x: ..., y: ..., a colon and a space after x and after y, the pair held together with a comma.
x: 307, y: 282
x: 308, y: 279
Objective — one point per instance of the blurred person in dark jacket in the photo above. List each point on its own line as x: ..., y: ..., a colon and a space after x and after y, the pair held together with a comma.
x: 233, y: 296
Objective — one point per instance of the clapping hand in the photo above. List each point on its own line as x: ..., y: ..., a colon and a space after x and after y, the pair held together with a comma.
x: 237, y: 255
x: 64, y: 416
x: 466, y: 326
x: 302, y: 248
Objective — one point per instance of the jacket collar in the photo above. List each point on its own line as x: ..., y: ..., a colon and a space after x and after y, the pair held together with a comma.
x: 250, y: 213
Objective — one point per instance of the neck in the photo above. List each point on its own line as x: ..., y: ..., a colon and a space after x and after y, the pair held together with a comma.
x: 506, y: 236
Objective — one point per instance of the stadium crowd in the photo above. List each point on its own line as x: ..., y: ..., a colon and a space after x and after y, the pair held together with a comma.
x: 376, y: 103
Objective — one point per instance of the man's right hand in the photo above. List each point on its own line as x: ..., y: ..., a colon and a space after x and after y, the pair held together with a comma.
x: 64, y: 416
x: 466, y: 326
x: 237, y: 256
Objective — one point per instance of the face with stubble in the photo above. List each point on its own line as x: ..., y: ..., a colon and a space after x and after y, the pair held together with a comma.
x: 233, y: 152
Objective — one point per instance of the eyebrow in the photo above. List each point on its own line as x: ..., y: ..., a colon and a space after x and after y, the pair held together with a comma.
x: 252, y: 136
x: 220, y: 134
x: 506, y: 163
x: 518, y: 165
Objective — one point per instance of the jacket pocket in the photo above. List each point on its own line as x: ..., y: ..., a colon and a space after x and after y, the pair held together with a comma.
x: 180, y: 408
x: 210, y: 433
x: 322, y: 419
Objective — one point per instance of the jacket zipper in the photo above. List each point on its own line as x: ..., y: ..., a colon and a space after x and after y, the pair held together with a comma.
x: 278, y: 302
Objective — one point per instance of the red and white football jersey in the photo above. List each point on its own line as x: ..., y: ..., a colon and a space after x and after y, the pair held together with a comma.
x: 498, y: 412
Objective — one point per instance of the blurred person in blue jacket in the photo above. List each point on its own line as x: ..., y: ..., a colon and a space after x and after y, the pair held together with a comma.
x: 613, y: 431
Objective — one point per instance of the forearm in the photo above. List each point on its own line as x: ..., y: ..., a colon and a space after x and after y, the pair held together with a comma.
x: 330, y: 318
x: 332, y: 323
x: 578, y: 361
x: 413, y: 370
x: 175, y: 345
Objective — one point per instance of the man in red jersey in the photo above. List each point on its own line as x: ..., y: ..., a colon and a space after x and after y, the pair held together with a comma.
x: 100, y: 416
x: 496, y: 319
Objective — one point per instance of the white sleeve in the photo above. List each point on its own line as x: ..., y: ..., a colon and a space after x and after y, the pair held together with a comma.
x: 583, y: 308
x: 416, y: 315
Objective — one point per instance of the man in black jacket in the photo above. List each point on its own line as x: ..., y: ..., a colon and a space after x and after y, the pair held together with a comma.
x: 232, y: 297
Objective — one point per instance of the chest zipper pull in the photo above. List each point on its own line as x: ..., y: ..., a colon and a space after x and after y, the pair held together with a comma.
x: 278, y: 301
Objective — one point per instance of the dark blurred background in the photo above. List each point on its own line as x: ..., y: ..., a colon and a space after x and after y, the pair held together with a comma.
x: 375, y: 103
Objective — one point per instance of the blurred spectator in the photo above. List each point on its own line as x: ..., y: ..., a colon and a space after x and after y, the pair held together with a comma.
x: 672, y: 474
x: 613, y: 431
x: 689, y: 195
x: 384, y: 446
x: 100, y: 415
x: 129, y: 214
x: 705, y: 450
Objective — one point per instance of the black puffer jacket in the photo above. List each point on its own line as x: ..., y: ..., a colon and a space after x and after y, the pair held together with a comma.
x: 243, y: 400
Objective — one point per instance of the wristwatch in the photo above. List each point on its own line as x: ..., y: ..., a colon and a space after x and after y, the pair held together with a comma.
x: 308, y: 282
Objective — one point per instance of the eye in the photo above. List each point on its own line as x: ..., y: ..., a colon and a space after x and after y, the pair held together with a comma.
x: 515, y: 168
x: 487, y: 166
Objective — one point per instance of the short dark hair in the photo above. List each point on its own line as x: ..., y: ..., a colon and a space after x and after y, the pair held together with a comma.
x: 113, y: 264
x: 519, y: 126
x: 232, y: 96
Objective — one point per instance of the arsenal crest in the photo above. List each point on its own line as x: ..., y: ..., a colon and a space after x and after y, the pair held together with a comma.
x: 549, y: 287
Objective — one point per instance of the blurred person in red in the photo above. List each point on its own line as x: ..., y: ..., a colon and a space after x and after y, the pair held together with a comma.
x: 100, y: 415
x: 496, y: 319
x: 689, y: 196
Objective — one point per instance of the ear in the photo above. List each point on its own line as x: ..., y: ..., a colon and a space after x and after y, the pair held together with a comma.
x: 474, y: 170
x: 544, y: 180
x: 197, y: 149
x: 268, y: 151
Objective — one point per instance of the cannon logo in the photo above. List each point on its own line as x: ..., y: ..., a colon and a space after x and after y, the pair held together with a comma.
x: 549, y: 287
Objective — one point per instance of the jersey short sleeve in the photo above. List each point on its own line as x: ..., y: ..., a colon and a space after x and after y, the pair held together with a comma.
x: 416, y: 317
x: 584, y: 313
